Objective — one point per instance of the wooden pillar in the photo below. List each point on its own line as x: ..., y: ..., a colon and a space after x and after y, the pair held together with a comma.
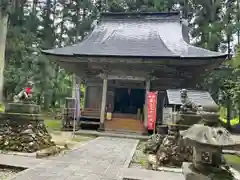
x: 103, y: 104
x: 147, y: 88
x: 85, y: 96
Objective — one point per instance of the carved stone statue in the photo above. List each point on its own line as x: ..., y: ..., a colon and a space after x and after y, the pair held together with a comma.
x: 187, y: 105
x: 25, y: 94
x: 188, y: 114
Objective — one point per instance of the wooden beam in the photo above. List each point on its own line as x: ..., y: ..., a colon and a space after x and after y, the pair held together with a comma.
x: 123, y: 67
x: 173, y: 61
x: 114, y: 77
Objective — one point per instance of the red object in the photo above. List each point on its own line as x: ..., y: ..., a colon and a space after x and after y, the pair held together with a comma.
x: 28, y: 90
x: 151, y: 109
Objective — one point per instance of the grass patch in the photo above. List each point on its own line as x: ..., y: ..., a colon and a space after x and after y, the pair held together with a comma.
x: 1, y: 107
x: 139, y: 158
x: 66, y: 139
x: 53, y: 125
x: 232, y: 159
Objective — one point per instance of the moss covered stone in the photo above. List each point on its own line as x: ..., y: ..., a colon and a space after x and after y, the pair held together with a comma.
x: 22, y: 129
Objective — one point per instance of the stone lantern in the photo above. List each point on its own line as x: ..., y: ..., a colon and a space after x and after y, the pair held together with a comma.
x: 207, y: 141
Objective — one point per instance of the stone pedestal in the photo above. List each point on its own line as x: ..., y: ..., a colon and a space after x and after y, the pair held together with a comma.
x: 209, y: 174
x: 22, y: 108
x: 190, y: 174
x: 22, y: 129
x: 188, y: 119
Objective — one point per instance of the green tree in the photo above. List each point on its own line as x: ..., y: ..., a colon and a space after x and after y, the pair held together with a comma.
x: 5, y: 6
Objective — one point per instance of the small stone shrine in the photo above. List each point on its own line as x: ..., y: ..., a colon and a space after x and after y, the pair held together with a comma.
x: 22, y: 128
x: 207, y: 140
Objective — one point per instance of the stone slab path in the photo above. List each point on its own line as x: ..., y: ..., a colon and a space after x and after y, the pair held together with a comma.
x: 103, y: 158
x: 20, y: 161
x: 143, y: 174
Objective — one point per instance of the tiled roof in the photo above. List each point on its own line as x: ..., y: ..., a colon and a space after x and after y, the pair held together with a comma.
x: 199, y: 97
x: 137, y: 35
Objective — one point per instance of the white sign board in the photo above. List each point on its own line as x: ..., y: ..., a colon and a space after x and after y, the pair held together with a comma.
x: 167, y: 115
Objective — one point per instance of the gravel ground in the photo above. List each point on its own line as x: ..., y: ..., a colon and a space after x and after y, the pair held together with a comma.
x: 5, y: 173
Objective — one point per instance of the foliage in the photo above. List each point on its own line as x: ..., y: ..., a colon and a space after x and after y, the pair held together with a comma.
x: 1, y: 108
x: 35, y: 25
x: 52, y: 125
x: 232, y: 159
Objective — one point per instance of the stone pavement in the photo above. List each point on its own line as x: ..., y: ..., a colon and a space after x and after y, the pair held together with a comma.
x: 20, y: 161
x: 103, y: 158
x: 144, y: 174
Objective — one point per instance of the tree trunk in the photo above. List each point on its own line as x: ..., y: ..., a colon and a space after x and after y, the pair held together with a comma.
x: 74, y: 78
x: 54, y: 94
x: 238, y: 20
x: 3, y: 37
x: 229, y: 110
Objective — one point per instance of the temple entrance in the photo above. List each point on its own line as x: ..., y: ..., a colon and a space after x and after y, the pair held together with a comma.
x: 129, y: 100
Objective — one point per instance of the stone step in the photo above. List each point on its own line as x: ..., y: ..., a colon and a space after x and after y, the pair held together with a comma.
x: 123, y: 131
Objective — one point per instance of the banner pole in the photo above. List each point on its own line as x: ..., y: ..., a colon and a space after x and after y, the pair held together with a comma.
x: 154, y: 130
x: 74, y: 117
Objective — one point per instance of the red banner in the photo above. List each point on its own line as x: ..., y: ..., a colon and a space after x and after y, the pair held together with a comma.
x: 151, y: 109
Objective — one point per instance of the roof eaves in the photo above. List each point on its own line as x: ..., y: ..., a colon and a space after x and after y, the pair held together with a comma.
x: 221, y: 56
x: 124, y: 56
x: 154, y: 57
x: 47, y: 52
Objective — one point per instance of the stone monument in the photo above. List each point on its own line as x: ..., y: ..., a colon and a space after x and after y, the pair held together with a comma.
x: 22, y: 128
x: 207, y: 141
